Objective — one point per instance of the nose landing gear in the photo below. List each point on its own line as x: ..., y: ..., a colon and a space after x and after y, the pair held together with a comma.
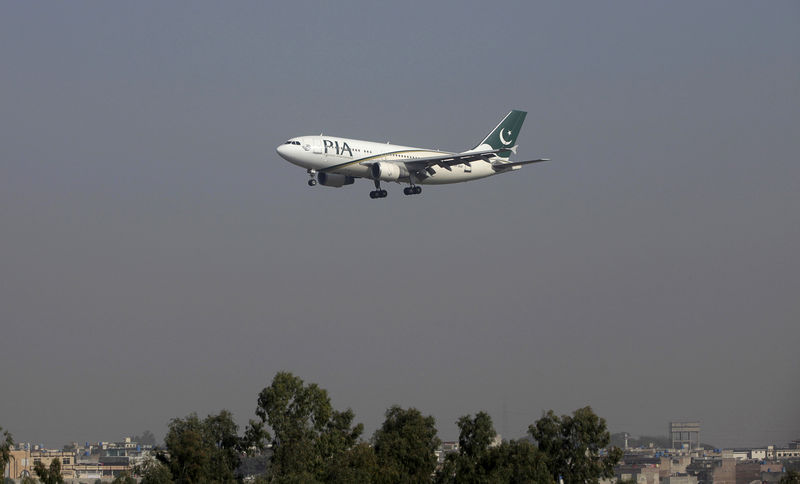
x: 313, y: 177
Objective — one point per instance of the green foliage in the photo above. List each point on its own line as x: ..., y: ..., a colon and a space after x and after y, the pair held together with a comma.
x: 357, y: 464
x: 202, y: 450
x: 791, y: 477
x: 51, y: 475
x: 573, y: 445
x: 123, y: 478
x: 308, y: 435
x: 477, y: 463
x: 405, y: 446
x: 6, y: 442
x: 517, y: 461
x: 475, y: 435
x: 153, y: 472
x: 29, y: 480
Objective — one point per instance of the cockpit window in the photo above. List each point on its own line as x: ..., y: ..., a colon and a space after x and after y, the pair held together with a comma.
x: 291, y: 142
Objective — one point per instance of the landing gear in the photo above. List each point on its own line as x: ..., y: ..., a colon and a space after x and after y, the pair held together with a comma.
x: 412, y: 190
x: 378, y: 194
x: 312, y: 182
x: 313, y: 174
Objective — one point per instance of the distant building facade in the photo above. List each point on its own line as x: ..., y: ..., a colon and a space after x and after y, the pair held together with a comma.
x: 685, y: 435
x: 98, y: 461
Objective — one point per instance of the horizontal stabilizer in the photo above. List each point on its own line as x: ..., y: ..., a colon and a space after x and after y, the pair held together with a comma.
x: 510, y: 165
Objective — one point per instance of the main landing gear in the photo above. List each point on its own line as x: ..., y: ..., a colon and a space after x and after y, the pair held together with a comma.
x: 313, y: 180
x: 378, y: 192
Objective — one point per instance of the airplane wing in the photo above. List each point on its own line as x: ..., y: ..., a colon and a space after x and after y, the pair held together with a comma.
x: 447, y: 161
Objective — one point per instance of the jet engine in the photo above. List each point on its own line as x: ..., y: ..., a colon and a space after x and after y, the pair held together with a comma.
x: 385, y: 171
x: 334, y: 179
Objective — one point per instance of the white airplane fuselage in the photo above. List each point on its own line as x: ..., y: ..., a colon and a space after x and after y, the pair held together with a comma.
x: 353, y: 157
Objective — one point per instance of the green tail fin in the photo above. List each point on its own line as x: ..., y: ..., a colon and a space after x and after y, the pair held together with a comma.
x: 504, y: 135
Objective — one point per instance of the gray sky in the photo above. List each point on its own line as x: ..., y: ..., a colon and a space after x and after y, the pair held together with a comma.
x: 159, y: 258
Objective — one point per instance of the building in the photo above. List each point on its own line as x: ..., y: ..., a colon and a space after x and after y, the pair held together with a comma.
x: 685, y: 435
x: 447, y: 447
x: 713, y: 470
x: 22, y: 462
x: 672, y: 465
x: 741, y: 454
x: 679, y: 479
x: 102, y: 461
x: 642, y: 474
x: 747, y: 472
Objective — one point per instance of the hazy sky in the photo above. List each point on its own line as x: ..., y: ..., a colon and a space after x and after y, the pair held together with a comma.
x: 157, y: 257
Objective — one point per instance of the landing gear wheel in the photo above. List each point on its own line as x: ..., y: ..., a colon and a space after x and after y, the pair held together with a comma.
x: 372, y: 194
x: 407, y: 190
x: 312, y: 182
x: 383, y: 193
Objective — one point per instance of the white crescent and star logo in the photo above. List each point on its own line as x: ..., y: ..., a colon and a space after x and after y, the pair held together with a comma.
x: 502, y: 139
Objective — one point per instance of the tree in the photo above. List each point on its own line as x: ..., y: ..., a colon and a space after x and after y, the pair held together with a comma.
x: 405, y: 446
x: 202, y: 450
x: 51, y: 475
x: 308, y: 435
x: 478, y: 462
x: 221, y: 437
x: 188, y: 459
x: 791, y: 477
x: 574, y: 445
x: 517, y: 462
x: 357, y: 464
x: 475, y: 436
x: 153, y: 472
x: 123, y: 478
x: 6, y: 442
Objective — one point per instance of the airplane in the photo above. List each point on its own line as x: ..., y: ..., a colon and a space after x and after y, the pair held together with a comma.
x: 336, y: 161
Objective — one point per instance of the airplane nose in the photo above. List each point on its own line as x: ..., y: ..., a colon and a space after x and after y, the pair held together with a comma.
x: 281, y: 149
